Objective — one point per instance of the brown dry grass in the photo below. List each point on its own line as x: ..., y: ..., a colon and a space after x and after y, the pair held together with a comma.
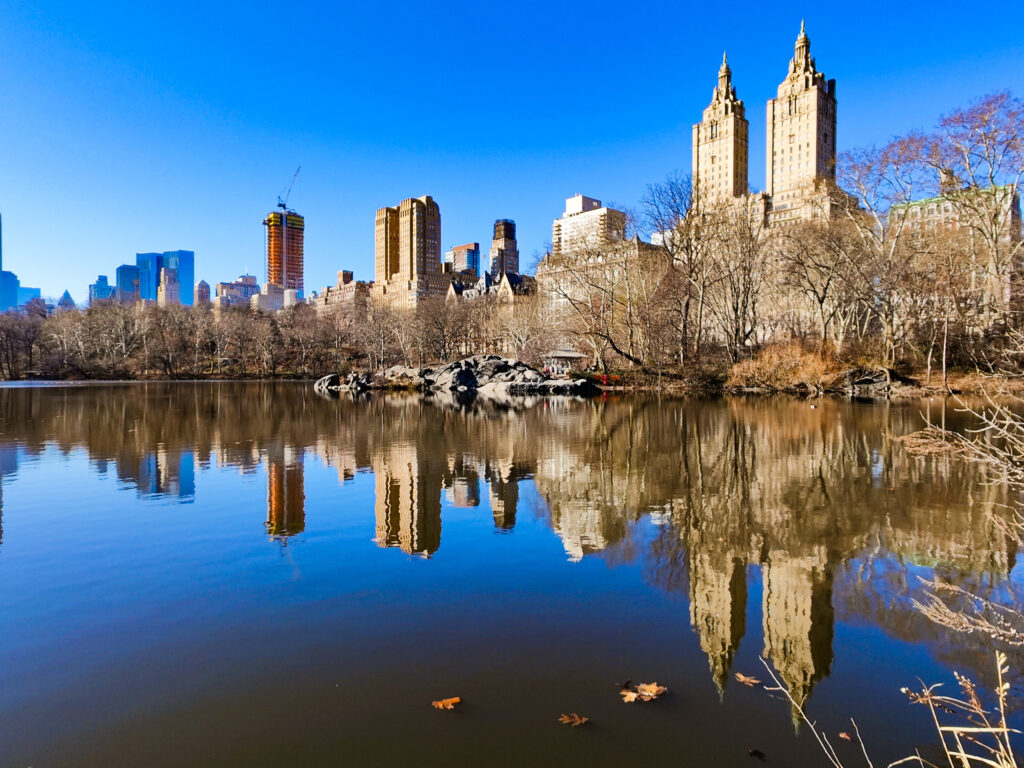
x: 781, y: 367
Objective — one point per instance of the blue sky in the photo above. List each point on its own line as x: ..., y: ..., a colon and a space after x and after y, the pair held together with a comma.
x: 157, y: 126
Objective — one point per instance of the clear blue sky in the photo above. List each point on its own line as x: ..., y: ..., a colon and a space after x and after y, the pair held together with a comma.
x: 149, y: 126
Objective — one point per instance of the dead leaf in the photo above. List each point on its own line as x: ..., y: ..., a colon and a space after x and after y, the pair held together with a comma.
x: 845, y: 736
x: 574, y: 719
x: 446, y: 703
x: 757, y: 754
x: 642, y: 692
x: 747, y: 680
x: 649, y: 691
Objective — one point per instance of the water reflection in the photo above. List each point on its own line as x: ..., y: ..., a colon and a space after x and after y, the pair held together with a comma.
x: 286, y: 494
x: 816, y: 507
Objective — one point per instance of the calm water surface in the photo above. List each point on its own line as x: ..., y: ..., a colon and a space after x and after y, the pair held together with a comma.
x: 248, y: 574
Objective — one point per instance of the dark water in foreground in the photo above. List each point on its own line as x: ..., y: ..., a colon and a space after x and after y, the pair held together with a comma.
x: 250, y: 575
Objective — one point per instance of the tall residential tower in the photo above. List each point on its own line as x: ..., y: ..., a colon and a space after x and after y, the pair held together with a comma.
x: 801, y: 149
x: 504, y: 249
x: 407, y: 245
x: 285, y: 234
x: 720, y: 143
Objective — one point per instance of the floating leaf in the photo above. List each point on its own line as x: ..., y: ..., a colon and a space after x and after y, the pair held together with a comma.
x: 642, y: 692
x: 574, y: 719
x: 747, y: 680
x: 756, y: 753
x: 845, y: 736
x: 446, y: 703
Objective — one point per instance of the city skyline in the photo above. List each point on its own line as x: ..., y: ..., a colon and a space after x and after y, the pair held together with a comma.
x: 506, y: 164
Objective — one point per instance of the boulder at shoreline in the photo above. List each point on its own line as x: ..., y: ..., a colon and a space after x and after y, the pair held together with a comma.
x: 485, y: 375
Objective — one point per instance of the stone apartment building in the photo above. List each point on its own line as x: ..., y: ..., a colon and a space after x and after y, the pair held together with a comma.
x: 800, y: 159
x: 720, y: 142
x: 349, y: 295
x: 407, y: 254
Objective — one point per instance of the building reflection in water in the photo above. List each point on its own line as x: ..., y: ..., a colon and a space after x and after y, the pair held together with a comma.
x: 8, y: 466
x: 286, y: 493
x: 408, y: 498
x: 818, y: 504
x: 164, y: 472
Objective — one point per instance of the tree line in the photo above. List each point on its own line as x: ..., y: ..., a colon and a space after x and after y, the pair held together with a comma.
x: 112, y: 340
x: 911, y: 259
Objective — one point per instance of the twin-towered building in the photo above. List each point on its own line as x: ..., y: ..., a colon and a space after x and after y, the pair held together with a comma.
x: 800, y: 154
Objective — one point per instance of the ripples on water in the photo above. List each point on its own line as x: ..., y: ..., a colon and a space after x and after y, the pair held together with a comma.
x: 248, y: 574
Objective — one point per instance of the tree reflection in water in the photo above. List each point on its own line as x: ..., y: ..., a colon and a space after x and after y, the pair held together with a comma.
x: 833, y: 518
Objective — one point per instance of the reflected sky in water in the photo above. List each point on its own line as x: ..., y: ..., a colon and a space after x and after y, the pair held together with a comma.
x: 211, y: 574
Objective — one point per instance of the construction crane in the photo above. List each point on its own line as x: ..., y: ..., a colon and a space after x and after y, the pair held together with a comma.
x: 283, y: 204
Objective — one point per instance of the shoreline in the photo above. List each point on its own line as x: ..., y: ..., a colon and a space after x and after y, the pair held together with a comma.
x: 969, y: 385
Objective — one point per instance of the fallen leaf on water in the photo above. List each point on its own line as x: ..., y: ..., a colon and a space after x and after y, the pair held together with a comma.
x: 747, y: 680
x: 650, y: 691
x: 845, y: 736
x: 642, y: 692
x: 756, y: 753
x: 573, y: 719
x: 446, y: 703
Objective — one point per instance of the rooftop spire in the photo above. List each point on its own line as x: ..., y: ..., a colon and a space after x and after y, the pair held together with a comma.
x: 802, y: 37
x: 724, y: 78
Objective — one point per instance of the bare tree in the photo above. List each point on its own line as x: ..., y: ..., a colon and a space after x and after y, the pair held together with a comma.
x: 977, y: 154
x: 687, y: 227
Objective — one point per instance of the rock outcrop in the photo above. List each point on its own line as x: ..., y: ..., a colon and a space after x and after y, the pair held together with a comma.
x: 332, y: 383
x: 485, y: 375
x: 865, y: 382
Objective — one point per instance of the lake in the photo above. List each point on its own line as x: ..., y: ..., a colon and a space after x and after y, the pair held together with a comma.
x: 221, y: 574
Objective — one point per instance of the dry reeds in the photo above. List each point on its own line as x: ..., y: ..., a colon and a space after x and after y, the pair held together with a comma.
x: 971, y: 734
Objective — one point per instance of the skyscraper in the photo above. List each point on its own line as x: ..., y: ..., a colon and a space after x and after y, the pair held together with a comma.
x: 720, y: 143
x: 149, y: 265
x: 504, y: 249
x: 202, y: 293
x: 408, y: 253
x: 26, y: 294
x: 126, y: 280
x: 285, y: 234
x: 9, y: 283
x: 101, y: 290
x: 801, y: 129
x: 183, y: 264
x: 169, y: 291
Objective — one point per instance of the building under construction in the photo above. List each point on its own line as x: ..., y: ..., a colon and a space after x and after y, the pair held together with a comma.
x: 285, y: 229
